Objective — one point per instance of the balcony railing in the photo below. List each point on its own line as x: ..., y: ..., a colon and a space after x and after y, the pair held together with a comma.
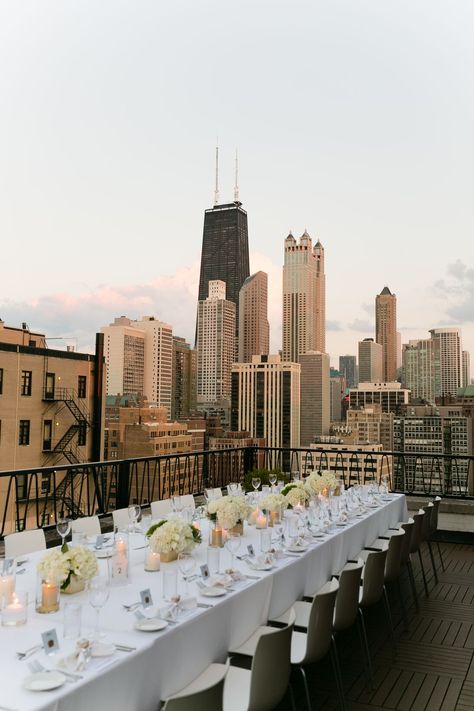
x: 30, y: 498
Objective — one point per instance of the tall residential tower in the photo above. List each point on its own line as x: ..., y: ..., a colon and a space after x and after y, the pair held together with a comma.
x: 254, y: 329
x: 386, y: 332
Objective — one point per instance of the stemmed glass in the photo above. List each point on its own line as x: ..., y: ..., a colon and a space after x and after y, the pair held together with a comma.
x: 98, y: 595
x: 256, y: 481
x: 63, y: 527
x: 233, y: 545
x: 272, y: 478
x: 177, y: 503
x: 133, y: 514
x: 186, y: 565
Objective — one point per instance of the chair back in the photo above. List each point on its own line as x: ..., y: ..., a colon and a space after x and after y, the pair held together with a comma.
x: 416, y: 532
x: 406, y: 541
x: 24, y: 542
x: 318, y: 636
x: 121, y: 519
x: 394, y: 556
x: 89, y: 525
x: 188, y: 501
x: 208, y: 696
x: 374, y: 577
x: 434, y: 515
x: 347, y: 600
x: 426, y: 527
x: 271, y: 668
x: 160, y: 509
x: 212, y: 494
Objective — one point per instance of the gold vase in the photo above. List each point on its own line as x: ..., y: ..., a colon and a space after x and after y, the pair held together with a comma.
x: 76, y: 585
x: 238, y: 529
x: 168, y: 557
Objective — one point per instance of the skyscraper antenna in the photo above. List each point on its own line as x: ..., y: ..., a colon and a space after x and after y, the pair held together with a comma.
x: 236, y: 186
x: 216, y: 191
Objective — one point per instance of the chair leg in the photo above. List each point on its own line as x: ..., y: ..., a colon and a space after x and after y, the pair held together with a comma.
x: 440, y: 556
x: 337, y: 673
x: 423, y: 572
x: 306, y: 688
x: 435, y: 572
x: 389, y: 619
x: 402, y: 603
x: 292, y: 698
x: 365, y: 647
x: 412, y: 583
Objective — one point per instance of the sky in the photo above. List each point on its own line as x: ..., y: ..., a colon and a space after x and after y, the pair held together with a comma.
x: 352, y: 119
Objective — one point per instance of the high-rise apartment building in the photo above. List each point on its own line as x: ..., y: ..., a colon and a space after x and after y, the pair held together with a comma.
x: 337, y: 385
x: 225, y: 251
x: 390, y: 396
x: 304, y: 298
x: 184, y: 380
x: 421, y: 369
x: 348, y: 368
x: 315, y: 396
x: 370, y: 361
x: 254, y: 329
x: 450, y: 359
x: 266, y: 401
x: 139, y: 357
x: 386, y: 332
x: 466, y: 369
x: 215, y: 345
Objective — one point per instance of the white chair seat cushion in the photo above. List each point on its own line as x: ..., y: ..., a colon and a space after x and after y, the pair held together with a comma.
x: 209, y: 677
x: 249, y: 646
x: 302, y: 611
x: 237, y: 689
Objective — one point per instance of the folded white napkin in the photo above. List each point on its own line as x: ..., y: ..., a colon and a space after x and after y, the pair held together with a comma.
x: 220, y: 581
x: 77, y: 660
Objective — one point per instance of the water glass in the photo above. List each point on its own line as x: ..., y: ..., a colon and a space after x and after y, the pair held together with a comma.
x: 170, y: 584
x: 72, y: 616
x: 213, y: 559
x: 265, y: 540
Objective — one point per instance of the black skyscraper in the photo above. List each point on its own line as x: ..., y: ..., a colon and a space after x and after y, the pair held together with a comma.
x: 225, y: 250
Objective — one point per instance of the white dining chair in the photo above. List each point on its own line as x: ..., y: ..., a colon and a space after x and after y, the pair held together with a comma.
x: 160, y: 509
x: 187, y: 501
x: 121, y: 519
x: 205, y: 693
x: 212, y: 494
x: 24, y: 542
x: 89, y: 525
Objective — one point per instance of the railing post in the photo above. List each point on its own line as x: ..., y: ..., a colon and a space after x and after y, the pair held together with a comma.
x: 123, y: 484
x: 249, y: 459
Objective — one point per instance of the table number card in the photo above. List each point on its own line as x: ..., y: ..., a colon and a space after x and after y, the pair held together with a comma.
x: 250, y: 549
x: 99, y: 541
x: 205, y: 571
x: 146, y: 598
x: 50, y: 641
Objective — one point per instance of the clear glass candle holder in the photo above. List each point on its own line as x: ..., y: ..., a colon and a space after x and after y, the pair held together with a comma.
x: 47, y: 596
x: 7, y: 580
x: 15, y: 612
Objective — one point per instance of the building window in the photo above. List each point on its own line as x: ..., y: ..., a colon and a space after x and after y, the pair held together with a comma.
x: 82, y: 434
x: 81, y: 386
x: 47, y: 435
x: 1, y: 381
x: 24, y: 432
x: 26, y: 376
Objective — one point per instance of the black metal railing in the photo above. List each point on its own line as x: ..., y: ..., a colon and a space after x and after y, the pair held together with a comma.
x: 32, y: 498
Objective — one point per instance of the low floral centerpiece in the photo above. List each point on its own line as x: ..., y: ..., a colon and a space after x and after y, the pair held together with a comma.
x: 275, y: 504
x: 229, y: 512
x: 295, y: 494
x: 320, y: 483
x: 68, y: 567
x: 171, y: 537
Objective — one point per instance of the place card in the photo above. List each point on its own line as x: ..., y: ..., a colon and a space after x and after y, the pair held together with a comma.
x: 50, y: 641
x: 99, y: 541
x: 146, y: 598
x: 251, y: 549
x: 205, y: 571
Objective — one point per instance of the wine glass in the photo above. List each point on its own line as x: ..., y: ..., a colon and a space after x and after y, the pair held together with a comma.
x: 233, y: 545
x: 186, y: 565
x: 177, y: 503
x: 98, y: 595
x: 272, y: 478
x: 63, y: 527
x: 133, y: 514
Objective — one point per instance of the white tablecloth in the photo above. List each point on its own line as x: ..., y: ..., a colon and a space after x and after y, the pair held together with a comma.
x: 166, y: 661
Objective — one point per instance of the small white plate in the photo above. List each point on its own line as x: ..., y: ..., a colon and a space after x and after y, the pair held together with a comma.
x: 44, y: 681
x: 297, y: 549
x: 341, y: 525
x: 213, y: 592
x: 104, y: 553
x: 151, y: 624
x: 103, y: 649
x: 267, y: 566
x: 21, y: 560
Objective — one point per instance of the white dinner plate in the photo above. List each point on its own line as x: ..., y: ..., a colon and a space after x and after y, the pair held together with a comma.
x: 297, y: 549
x: 265, y: 566
x: 151, y: 624
x: 213, y: 592
x: 44, y: 681
x: 103, y: 649
x: 341, y: 525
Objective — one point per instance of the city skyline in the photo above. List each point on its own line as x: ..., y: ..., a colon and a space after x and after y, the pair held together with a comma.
x: 97, y: 168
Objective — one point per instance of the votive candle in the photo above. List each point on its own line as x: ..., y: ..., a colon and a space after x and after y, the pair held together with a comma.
x: 216, y: 537
x: 15, y: 613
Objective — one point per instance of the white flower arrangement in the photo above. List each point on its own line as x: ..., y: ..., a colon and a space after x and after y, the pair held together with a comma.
x: 273, y: 502
x: 173, y: 536
x: 316, y: 482
x: 228, y: 510
x: 61, y: 563
x: 295, y: 494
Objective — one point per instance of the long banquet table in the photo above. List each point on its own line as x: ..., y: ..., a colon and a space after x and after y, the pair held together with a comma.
x: 163, y: 662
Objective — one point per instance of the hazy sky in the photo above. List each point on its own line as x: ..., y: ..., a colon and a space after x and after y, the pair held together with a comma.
x: 353, y: 119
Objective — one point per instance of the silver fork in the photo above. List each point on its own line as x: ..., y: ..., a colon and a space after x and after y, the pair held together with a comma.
x: 131, y: 607
x: 28, y: 652
x: 36, y: 666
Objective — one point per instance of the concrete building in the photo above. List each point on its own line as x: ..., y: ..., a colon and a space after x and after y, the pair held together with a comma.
x: 315, y: 398
x: 422, y: 369
x: 266, y: 400
x: 304, y: 298
x: 370, y: 361
x: 390, y: 396
x: 348, y: 368
x: 139, y: 357
x: 386, y: 332
x: 184, y: 379
x: 254, y: 329
x: 215, y: 346
x: 367, y: 425
x: 334, y: 454
x: 337, y: 386
x: 450, y: 359
x: 466, y: 369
